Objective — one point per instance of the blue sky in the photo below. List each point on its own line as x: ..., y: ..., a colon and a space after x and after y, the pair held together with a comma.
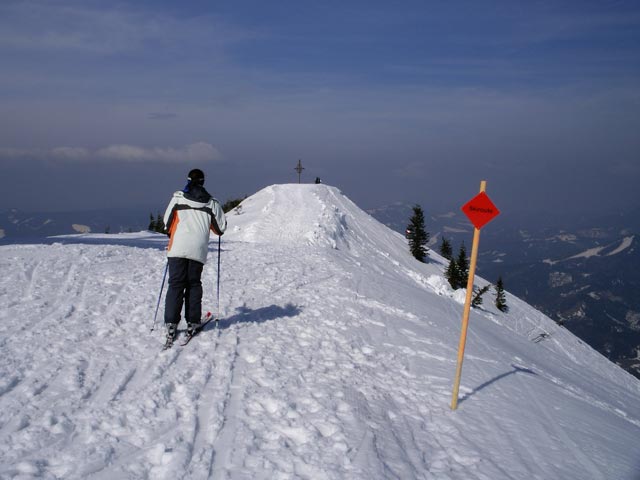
x: 110, y: 103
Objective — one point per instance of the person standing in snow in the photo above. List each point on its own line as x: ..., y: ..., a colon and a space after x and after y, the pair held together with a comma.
x: 191, y: 214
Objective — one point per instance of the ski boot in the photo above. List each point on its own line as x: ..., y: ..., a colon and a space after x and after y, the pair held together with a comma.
x: 172, y: 332
x: 192, y: 328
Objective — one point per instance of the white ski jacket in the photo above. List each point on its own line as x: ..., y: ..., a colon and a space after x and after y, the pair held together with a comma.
x: 189, y: 218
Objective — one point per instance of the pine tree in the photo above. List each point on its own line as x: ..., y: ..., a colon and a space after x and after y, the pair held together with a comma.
x: 231, y: 204
x: 160, y: 226
x: 463, y: 266
x: 445, y: 249
x: 479, y: 292
x: 452, y: 275
x: 152, y: 223
x: 417, y: 235
x: 501, y: 299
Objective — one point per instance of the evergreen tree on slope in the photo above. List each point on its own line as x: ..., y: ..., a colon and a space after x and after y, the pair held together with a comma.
x: 501, y: 299
x: 417, y: 235
x: 463, y: 267
x: 452, y: 274
x: 445, y: 249
x: 479, y: 292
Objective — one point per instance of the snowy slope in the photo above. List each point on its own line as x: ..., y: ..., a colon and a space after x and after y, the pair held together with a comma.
x: 335, y: 359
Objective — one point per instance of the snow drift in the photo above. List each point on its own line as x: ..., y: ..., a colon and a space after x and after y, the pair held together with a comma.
x: 334, y: 359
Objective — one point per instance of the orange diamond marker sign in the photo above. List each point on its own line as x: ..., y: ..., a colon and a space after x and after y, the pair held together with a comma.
x: 480, y: 210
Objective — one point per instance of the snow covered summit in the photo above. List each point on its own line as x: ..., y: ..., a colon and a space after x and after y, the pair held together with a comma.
x: 316, y: 215
x: 334, y: 360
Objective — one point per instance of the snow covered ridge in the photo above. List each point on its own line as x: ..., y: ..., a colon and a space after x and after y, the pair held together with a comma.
x: 601, y: 251
x: 597, y: 251
x: 314, y: 215
x: 334, y: 360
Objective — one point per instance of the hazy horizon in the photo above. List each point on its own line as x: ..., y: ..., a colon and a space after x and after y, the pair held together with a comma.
x: 112, y: 104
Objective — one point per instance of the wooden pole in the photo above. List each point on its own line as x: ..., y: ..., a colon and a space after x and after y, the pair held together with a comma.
x: 467, y: 309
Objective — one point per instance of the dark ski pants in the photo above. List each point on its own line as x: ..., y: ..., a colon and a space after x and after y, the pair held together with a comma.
x: 185, y: 287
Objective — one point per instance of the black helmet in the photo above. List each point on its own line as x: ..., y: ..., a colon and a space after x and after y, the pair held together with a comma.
x: 196, y: 176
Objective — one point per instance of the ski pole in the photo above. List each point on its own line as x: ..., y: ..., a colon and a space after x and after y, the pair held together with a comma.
x: 160, y: 295
x: 218, y: 286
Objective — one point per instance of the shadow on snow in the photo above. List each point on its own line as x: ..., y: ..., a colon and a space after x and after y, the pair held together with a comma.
x: 260, y: 315
x: 516, y: 369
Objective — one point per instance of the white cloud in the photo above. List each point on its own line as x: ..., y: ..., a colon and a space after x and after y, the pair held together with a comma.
x: 202, y: 152
x: 195, y: 152
x: 199, y: 152
x: 70, y: 153
x: 125, y: 153
x: 17, y: 153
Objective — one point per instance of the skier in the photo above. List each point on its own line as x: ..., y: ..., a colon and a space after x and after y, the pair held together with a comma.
x: 189, y: 217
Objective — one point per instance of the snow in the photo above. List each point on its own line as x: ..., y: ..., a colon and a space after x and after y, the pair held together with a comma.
x: 591, y: 252
x: 455, y: 230
x: 626, y: 243
x: 334, y: 359
x: 563, y: 237
x: 81, y: 228
x: 595, y: 252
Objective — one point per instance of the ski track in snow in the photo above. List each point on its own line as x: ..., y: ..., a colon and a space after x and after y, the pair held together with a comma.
x: 334, y: 359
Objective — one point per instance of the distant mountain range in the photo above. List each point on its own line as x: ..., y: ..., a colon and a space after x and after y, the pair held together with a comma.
x: 19, y: 226
x: 583, y: 274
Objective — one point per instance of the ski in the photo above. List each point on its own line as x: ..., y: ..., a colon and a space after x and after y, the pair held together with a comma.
x: 167, y: 344
x: 171, y: 340
x: 208, y: 317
